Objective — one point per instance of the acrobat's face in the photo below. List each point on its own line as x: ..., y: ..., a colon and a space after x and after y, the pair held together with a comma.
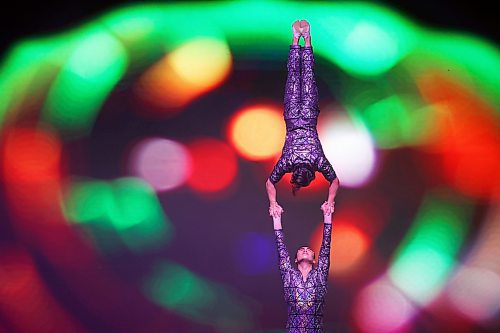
x: 305, y: 253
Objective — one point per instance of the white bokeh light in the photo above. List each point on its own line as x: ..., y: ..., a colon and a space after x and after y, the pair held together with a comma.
x: 475, y: 292
x: 165, y: 164
x: 349, y: 148
x: 381, y: 294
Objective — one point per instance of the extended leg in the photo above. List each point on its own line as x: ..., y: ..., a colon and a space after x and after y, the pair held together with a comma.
x: 309, y: 90
x: 293, y: 83
x: 292, y: 87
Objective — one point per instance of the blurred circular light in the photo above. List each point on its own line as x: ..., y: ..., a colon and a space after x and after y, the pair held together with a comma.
x: 467, y: 136
x: 476, y: 293
x: 214, y: 165
x: 189, y: 71
x: 202, y: 62
x: 164, y: 164
x: 380, y: 307
x: 257, y: 132
x: 349, y: 148
x: 31, y: 155
x: 26, y: 301
x: 374, y: 48
x: 349, y: 245
x: 255, y: 253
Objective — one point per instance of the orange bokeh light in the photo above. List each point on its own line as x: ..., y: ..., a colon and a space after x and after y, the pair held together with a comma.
x: 349, y: 244
x: 257, y: 132
x: 189, y: 71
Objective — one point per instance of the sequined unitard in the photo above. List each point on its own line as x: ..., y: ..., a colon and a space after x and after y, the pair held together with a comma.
x: 305, y: 300
x: 301, y: 110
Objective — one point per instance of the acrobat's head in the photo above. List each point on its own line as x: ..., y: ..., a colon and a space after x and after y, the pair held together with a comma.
x: 302, y: 176
x: 305, y: 253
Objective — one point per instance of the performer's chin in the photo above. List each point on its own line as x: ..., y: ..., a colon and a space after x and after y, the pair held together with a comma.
x: 306, y: 261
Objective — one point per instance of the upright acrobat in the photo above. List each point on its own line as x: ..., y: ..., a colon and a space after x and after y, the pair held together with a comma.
x: 305, y: 287
x: 302, y: 153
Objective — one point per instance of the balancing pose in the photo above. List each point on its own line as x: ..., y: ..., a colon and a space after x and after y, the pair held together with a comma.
x: 302, y: 153
x: 305, y: 286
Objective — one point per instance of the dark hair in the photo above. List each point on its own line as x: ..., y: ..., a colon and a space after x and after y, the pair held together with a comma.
x: 314, y: 253
x: 301, y: 177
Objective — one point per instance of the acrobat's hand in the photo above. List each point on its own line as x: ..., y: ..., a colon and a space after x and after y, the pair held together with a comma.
x: 275, y: 210
x: 327, y: 208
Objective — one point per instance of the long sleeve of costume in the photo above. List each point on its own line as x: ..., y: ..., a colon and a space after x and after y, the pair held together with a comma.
x: 324, y: 252
x: 326, y: 169
x: 283, y: 256
x: 279, y: 171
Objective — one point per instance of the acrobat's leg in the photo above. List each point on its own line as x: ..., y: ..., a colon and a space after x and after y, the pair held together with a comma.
x: 292, y: 99
x: 309, y: 91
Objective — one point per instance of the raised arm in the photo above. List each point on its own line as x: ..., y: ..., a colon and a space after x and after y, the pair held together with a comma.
x: 274, y: 208
x: 324, y: 252
x: 284, y: 257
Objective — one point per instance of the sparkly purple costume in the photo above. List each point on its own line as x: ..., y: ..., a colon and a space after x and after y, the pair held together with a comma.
x: 305, y: 300
x: 302, y: 145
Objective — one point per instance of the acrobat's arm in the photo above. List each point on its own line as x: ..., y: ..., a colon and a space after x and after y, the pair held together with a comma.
x: 332, y: 191
x: 324, y: 252
x: 284, y: 257
x: 274, y: 208
x: 326, y: 169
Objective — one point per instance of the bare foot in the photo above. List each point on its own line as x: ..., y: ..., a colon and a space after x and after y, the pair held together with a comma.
x: 296, y: 32
x: 305, y: 29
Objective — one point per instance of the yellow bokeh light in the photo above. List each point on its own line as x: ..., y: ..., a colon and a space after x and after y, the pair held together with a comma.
x: 258, y: 132
x: 202, y: 63
x: 187, y: 72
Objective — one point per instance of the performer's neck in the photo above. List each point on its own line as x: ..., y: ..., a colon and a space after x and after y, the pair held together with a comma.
x: 304, y: 266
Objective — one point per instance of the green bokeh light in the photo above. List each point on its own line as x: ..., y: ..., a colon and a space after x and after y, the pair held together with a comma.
x: 182, y: 291
x: 28, y: 71
x: 468, y: 59
x: 426, y: 257
x: 363, y: 39
x: 366, y: 41
x: 127, y: 205
x: 95, y: 65
x: 396, y: 121
x: 89, y: 201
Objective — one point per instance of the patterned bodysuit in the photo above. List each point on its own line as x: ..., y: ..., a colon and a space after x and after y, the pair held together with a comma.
x: 305, y: 300
x: 302, y: 145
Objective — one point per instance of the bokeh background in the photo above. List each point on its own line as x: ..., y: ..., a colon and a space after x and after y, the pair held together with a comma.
x: 135, y: 140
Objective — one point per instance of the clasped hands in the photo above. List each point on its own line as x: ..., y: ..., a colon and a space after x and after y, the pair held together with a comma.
x: 275, y: 210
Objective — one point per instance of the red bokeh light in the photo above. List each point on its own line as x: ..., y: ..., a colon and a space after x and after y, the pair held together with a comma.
x: 355, y: 227
x: 24, y: 299
x: 214, y: 165
x: 467, y: 139
x: 31, y: 155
